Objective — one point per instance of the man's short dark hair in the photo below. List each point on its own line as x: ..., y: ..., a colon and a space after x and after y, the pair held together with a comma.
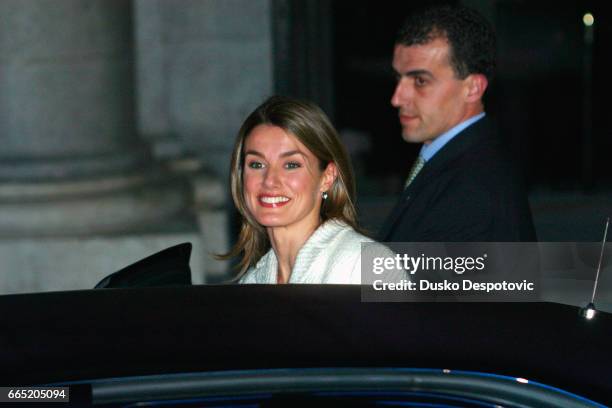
x: 470, y: 36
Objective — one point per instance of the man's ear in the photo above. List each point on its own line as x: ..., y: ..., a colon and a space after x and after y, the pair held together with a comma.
x: 329, y: 176
x: 476, y: 85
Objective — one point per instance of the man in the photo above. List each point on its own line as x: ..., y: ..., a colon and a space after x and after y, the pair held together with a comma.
x: 462, y: 187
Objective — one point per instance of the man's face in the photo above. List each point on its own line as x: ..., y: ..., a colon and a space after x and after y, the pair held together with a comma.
x: 429, y: 98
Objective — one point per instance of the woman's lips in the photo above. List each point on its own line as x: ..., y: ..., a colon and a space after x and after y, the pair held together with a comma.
x: 269, y: 201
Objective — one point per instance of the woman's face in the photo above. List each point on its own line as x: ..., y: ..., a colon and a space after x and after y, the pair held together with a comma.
x: 282, y: 179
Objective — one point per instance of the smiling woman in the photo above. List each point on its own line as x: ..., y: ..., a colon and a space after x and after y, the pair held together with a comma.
x: 292, y: 182
x: 279, y: 171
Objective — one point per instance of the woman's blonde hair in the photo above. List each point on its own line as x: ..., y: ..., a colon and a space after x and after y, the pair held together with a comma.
x: 309, y: 124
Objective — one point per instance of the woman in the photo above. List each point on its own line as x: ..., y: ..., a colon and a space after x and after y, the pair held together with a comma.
x: 292, y: 182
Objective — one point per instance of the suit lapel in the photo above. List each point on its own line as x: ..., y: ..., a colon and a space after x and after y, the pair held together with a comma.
x: 452, y: 150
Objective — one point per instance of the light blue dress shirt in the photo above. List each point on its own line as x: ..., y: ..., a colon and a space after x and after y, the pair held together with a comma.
x: 429, y: 150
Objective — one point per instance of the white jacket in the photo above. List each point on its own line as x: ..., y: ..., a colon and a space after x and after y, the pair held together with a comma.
x: 332, y: 254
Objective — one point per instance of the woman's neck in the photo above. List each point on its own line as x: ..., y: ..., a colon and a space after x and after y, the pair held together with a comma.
x: 286, y: 243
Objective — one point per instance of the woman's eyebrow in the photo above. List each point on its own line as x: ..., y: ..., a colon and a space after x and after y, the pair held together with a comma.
x: 284, y: 154
x: 253, y: 152
x: 291, y: 153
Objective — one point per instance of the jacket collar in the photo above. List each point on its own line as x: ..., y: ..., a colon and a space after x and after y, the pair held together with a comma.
x: 478, y: 132
x: 463, y: 142
x: 267, y: 266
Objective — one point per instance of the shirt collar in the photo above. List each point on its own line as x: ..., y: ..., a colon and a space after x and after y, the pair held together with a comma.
x: 428, y: 151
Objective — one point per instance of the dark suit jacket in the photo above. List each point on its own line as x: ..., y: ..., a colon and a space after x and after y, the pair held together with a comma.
x: 468, y: 191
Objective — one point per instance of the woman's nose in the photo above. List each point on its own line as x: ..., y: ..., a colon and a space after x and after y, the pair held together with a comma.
x: 271, y: 177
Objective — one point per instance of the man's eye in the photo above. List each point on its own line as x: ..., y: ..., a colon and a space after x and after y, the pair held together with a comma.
x: 255, y: 165
x: 292, y: 165
x: 418, y: 81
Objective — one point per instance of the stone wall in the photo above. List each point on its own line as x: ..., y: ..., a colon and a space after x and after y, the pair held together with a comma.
x: 203, y: 66
x: 117, y: 119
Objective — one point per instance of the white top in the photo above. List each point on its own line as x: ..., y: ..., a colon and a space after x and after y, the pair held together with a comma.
x: 332, y: 254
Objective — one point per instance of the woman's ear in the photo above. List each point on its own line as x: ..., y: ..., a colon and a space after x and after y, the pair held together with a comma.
x: 329, y: 176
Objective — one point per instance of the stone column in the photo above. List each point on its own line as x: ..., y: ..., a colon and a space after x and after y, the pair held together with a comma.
x: 70, y: 158
x: 203, y: 67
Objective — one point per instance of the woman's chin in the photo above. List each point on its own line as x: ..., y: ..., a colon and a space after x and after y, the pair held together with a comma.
x: 272, y: 222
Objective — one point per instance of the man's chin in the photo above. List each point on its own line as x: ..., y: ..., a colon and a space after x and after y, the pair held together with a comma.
x: 411, y: 137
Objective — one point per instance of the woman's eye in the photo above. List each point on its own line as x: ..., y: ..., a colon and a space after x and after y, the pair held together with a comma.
x: 255, y: 165
x: 292, y: 165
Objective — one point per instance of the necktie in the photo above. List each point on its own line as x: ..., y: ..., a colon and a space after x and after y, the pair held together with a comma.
x: 416, y: 168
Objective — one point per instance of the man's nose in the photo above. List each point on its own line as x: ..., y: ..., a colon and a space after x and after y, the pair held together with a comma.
x: 399, y: 94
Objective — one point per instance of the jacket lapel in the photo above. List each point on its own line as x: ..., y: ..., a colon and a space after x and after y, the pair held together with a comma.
x: 453, y: 149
